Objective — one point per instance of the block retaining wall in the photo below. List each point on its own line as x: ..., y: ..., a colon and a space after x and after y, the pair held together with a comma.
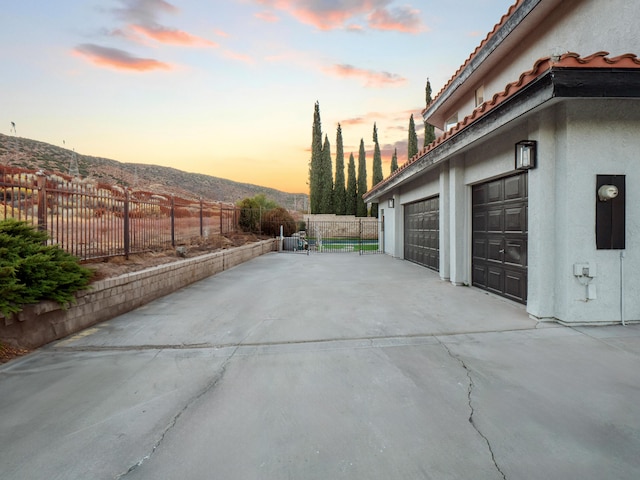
x: 39, y: 324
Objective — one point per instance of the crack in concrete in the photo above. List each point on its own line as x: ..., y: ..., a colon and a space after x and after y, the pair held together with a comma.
x: 210, y: 386
x: 472, y: 410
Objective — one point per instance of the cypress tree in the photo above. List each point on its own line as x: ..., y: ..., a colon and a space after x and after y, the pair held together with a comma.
x: 361, y: 207
x: 377, y: 168
x: 412, y: 147
x: 352, y: 190
x: 315, y: 164
x: 429, y: 130
x: 326, y: 179
x: 339, y: 190
x: 394, y: 160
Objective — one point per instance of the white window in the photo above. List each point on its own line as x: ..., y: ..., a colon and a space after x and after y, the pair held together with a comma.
x: 452, y: 121
x: 479, y: 95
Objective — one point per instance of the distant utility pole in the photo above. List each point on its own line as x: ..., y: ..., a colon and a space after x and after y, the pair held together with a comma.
x: 74, y: 171
x: 13, y: 127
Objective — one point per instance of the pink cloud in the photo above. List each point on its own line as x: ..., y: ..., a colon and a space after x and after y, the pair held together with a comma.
x: 172, y: 36
x: 239, y: 57
x: 141, y: 20
x: 369, y: 77
x: 269, y: 17
x: 401, y: 19
x: 353, y: 121
x: 322, y: 14
x: 118, y: 59
x: 221, y: 33
x: 143, y: 11
x: 336, y: 14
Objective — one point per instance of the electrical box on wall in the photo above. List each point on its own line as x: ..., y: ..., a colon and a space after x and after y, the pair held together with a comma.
x: 584, y: 270
x: 610, y: 212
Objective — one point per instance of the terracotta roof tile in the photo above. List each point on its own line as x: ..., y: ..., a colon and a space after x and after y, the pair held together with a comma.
x: 496, y: 27
x: 542, y: 65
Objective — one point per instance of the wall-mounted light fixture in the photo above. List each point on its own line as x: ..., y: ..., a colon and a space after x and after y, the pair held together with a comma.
x: 526, y: 155
x: 390, y: 203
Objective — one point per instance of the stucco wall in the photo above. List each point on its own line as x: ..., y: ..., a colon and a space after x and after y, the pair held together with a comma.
x: 45, y: 322
x: 596, y: 137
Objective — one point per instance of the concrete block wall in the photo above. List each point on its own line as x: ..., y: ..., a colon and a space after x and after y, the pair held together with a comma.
x: 39, y: 324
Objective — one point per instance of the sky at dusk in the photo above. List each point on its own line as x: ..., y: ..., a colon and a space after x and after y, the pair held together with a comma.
x: 228, y: 87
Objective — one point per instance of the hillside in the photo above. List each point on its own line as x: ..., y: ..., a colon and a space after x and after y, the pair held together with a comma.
x: 35, y: 155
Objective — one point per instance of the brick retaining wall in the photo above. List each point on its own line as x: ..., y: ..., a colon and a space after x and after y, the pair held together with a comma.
x: 45, y: 322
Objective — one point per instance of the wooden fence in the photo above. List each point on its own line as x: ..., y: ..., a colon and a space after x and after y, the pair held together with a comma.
x: 92, y: 220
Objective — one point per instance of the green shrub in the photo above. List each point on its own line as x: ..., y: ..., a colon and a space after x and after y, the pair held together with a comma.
x: 252, y: 211
x: 273, y: 219
x: 31, y: 271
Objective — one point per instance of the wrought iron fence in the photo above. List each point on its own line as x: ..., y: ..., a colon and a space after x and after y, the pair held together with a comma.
x: 359, y: 235
x: 94, y: 220
x: 313, y: 235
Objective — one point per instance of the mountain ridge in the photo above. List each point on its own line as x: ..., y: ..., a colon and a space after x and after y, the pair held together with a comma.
x: 36, y: 155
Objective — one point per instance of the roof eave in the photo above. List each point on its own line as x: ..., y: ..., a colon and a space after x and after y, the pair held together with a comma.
x: 556, y: 82
x: 518, y: 12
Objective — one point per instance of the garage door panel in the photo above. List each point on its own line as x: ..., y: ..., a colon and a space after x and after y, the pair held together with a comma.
x: 480, y: 248
x: 514, y: 188
x: 499, y: 262
x: 434, y: 259
x: 495, y: 281
x: 479, y: 274
x: 479, y: 196
x: 494, y: 193
x: 434, y: 241
x: 480, y: 221
x: 495, y: 250
x: 495, y: 220
x: 515, y: 253
x: 515, y: 284
x: 515, y: 219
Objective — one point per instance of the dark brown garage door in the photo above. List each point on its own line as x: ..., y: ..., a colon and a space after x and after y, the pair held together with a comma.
x: 500, y: 237
x: 422, y: 232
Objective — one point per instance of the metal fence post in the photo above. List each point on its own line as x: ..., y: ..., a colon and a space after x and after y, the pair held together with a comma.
x: 173, y: 221
x: 41, y: 181
x: 127, y: 235
x: 201, y: 220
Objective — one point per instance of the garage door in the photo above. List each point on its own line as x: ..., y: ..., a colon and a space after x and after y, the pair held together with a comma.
x: 500, y: 237
x: 421, y: 232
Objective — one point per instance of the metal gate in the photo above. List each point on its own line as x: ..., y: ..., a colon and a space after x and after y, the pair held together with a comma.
x: 359, y: 236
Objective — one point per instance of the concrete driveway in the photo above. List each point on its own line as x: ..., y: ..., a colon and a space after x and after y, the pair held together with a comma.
x: 332, y: 366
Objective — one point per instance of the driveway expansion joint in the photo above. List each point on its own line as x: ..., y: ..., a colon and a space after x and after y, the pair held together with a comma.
x: 370, y: 339
x: 472, y: 410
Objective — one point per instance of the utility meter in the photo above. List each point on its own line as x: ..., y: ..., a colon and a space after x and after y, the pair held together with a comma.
x: 607, y: 192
